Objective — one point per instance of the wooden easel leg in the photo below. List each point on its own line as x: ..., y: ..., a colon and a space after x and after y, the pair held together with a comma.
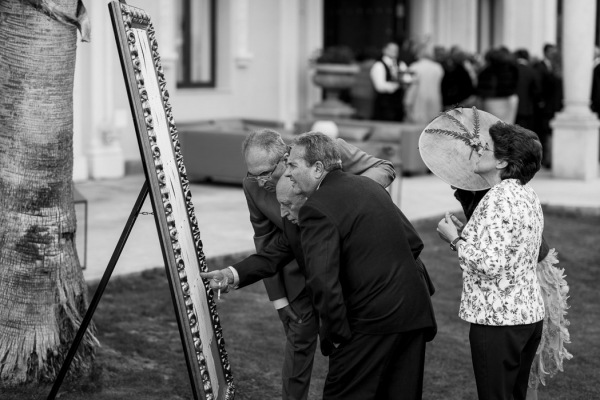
x: 100, y: 290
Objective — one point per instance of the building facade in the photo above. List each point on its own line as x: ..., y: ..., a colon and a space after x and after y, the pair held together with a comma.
x: 250, y: 58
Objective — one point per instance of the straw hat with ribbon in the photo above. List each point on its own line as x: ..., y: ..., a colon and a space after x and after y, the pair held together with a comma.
x: 451, y: 144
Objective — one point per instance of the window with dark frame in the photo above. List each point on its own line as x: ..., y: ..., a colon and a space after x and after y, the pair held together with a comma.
x: 196, y: 44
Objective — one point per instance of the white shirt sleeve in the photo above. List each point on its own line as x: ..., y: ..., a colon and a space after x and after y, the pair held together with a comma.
x: 280, y: 303
x: 378, y: 79
x: 236, y: 277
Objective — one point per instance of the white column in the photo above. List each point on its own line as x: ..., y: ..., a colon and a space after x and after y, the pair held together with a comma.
x: 241, y: 22
x: 311, y: 39
x: 289, y: 72
x: 104, y: 154
x: 167, y: 47
x: 575, y: 129
x: 423, y: 18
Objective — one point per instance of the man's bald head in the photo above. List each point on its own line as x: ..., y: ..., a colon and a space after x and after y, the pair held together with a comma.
x: 289, y: 202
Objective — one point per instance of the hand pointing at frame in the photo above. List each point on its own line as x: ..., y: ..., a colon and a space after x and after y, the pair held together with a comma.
x: 221, y: 280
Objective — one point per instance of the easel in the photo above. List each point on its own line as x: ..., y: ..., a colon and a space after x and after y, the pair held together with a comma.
x: 100, y: 290
x: 179, y: 236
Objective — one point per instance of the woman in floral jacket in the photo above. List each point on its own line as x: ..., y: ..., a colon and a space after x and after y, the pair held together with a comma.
x: 498, y: 253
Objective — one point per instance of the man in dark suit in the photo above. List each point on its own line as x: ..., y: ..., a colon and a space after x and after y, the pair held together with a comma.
x: 528, y: 91
x: 359, y: 253
x: 550, y: 78
x: 264, y: 156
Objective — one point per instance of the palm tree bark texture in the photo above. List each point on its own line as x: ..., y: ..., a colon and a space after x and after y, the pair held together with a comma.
x: 43, y: 295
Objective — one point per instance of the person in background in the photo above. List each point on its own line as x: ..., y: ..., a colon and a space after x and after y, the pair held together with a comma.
x: 497, y: 252
x: 423, y: 99
x: 440, y: 55
x: 385, y: 75
x: 550, y: 103
x: 362, y: 93
x: 457, y: 86
x: 528, y: 91
x: 497, y: 85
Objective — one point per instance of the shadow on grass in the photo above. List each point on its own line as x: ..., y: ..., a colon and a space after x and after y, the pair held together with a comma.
x: 142, y: 358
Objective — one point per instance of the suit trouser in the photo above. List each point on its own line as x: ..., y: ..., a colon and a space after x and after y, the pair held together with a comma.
x: 299, y: 349
x: 502, y: 358
x: 377, y: 367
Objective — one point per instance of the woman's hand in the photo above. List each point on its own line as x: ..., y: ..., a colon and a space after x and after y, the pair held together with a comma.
x: 459, y: 225
x: 446, y: 229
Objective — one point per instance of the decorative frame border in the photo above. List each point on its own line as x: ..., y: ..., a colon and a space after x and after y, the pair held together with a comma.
x: 126, y: 18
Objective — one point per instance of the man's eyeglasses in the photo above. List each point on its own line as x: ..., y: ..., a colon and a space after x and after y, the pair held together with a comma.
x: 265, y: 176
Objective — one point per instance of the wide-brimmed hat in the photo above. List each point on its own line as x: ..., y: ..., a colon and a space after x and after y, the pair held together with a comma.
x: 450, y: 145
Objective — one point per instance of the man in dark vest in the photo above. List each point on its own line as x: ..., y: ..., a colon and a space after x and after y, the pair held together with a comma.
x: 386, y: 75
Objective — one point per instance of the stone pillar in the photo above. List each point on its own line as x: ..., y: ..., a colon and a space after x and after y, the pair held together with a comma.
x: 241, y: 22
x: 167, y: 46
x: 289, y: 68
x: 104, y: 154
x: 311, y: 39
x: 575, y: 129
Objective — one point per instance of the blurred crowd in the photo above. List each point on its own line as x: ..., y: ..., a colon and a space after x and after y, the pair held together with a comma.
x: 415, y: 82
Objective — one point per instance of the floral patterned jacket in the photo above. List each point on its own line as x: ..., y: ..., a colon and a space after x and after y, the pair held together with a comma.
x: 499, y: 257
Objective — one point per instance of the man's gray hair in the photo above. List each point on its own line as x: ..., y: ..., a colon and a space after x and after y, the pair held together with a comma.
x: 319, y: 147
x: 265, y: 139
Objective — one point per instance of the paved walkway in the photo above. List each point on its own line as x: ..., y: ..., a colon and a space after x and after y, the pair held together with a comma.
x: 224, y: 222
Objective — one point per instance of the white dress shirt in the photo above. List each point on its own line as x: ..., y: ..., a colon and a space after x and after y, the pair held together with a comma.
x: 378, y: 75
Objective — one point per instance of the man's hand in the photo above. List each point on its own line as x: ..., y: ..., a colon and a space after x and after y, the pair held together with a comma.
x: 219, y: 280
x: 286, y: 313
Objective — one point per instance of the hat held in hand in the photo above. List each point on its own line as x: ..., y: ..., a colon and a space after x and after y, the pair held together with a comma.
x: 451, y: 144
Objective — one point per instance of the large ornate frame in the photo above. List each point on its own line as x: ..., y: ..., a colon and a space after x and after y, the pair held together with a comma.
x: 196, y: 311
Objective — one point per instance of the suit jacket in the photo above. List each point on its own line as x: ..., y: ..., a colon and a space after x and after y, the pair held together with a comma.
x: 360, y: 260
x: 286, y: 247
x: 265, y: 215
x: 528, y: 90
x: 551, y: 89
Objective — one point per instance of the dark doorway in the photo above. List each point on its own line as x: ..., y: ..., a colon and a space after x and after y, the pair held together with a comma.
x: 365, y: 25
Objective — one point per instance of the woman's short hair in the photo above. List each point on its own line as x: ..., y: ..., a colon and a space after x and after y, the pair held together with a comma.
x: 520, y: 148
x: 319, y: 147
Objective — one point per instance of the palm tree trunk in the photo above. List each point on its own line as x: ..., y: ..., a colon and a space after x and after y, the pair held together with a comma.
x: 43, y: 295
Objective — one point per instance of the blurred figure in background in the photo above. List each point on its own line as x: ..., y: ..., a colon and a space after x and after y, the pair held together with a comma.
x: 549, y: 72
x: 362, y: 92
x: 408, y: 51
x: 423, y: 99
x: 528, y: 91
x: 497, y: 85
x: 440, y: 55
x: 385, y: 75
x: 457, y: 85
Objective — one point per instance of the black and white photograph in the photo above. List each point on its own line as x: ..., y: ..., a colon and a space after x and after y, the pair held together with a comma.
x: 299, y: 199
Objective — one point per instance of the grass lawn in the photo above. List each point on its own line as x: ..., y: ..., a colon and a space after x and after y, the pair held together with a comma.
x: 141, y: 355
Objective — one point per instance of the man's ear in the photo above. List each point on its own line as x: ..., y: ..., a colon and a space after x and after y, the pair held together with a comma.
x: 319, y: 169
x: 501, y: 164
